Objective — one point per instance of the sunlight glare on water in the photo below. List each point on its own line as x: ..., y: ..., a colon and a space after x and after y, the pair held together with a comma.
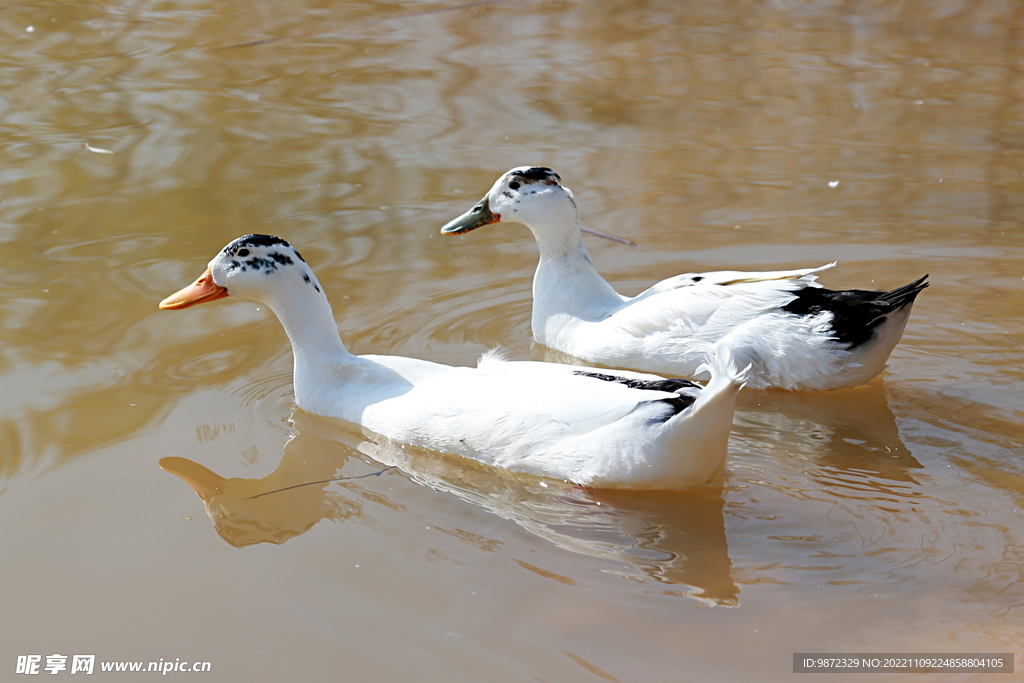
x: 139, y: 137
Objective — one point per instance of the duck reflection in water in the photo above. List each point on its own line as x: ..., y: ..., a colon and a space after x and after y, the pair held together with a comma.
x: 269, y: 510
x: 673, y: 537
x: 850, y: 433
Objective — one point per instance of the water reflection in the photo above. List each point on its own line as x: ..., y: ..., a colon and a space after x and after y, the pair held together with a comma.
x: 675, y: 538
x: 249, y: 511
x: 851, y: 431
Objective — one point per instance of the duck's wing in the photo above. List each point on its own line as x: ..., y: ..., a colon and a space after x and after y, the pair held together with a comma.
x: 717, y: 300
x: 579, y: 398
x: 804, y: 277
x: 521, y: 399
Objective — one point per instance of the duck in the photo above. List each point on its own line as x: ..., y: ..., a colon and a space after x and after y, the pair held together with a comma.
x: 792, y: 332
x: 592, y: 427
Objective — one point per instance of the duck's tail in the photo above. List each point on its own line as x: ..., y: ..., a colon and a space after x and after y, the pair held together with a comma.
x: 901, y: 296
x: 891, y: 311
x: 724, y: 369
x: 698, y: 437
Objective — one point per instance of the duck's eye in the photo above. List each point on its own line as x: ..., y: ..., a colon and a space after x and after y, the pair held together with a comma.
x: 243, y: 252
x: 514, y: 185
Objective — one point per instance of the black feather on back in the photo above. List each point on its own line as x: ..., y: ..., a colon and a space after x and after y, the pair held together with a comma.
x: 856, y: 313
x: 679, y: 403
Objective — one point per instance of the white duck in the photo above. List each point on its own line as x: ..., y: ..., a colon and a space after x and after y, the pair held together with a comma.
x: 594, y: 428
x: 794, y: 333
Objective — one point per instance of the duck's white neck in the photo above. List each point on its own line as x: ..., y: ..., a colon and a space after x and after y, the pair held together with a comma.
x: 321, y: 358
x: 567, y: 288
x: 309, y: 323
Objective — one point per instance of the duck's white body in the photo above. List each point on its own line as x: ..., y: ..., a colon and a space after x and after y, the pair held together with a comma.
x: 559, y: 421
x: 828, y: 340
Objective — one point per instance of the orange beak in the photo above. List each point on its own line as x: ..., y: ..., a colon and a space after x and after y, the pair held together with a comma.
x: 202, y: 290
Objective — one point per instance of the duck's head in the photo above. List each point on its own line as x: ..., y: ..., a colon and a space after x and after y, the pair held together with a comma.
x: 532, y: 195
x: 251, y: 267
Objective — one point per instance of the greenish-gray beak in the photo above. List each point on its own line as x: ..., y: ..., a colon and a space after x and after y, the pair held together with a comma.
x: 476, y: 217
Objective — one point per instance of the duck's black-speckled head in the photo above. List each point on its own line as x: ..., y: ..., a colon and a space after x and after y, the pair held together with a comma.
x: 260, y: 253
x: 248, y: 267
x: 531, y: 195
